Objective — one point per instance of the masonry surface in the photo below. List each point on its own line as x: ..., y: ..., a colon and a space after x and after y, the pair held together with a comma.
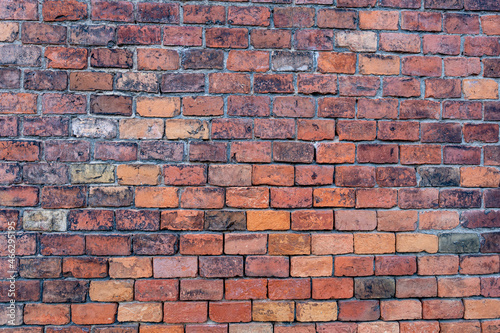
x: 268, y: 166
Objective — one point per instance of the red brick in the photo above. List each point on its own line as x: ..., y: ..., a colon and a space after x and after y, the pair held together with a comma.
x: 64, y: 10
x: 399, y: 42
x: 479, y: 264
x: 227, y: 38
x: 378, y: 20
x: 185, y: 312
x: 247, y: 197
x: 248, y: 61
x: 275, y: 175
x: 332, y: 62
x: 358, y: 85
x: 93, y: 313
x: 312, y: 220
x: 201, y: 244
x: 267, y: 266
x: 46, y: 314
x: 175, y: 267
x: 19, y: 196
x: 289, y: 289
x: 315, y: 130
x: 421, y: 21
x: 108, y: 245
x: 401, y: 87
x: 271, y: 38
x: 221, y: 267
x: 355, y: 176
x: 376, y: 153
x: 332, y: 288
x: 203, y: 14
x: 157, y: 59
x: 416, y: 287
x: 359, y: 310
x: 438, y: 265
x: 353, y: 266
x: 316, y: 83
x: 443, y: 88
x: 249, y: 15
x: 291, y: 197
x: 273, y: 83
x: 274, y: 128
x: 395, y: 265
x: 85, y: 268
x: 158, y: 13
x: 199, y: 197
x: 293, y: 17
x: 479, y: 46
x: 334, y: 197
x: 251, y: 152
x: 183, y: 36
x: 490, y: 24
x: 337, y: 18
x: 313, y: 175
x: 356, y: 130
x: 376, y: 198
x: 336, y: 107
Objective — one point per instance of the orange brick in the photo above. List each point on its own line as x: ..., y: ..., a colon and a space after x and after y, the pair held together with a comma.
x: 441, y: 220
x: 312, y: 220
x: 267, y: 220
x: 379, y: 64
x: 140, y: 312
x: 289, y: 289
x: 240, y: 289
x: 332, y: 62
x: 480, y: 89
x: 399, y: 220
x: 46, y: 314
x: 479, y: 177
x: 161, y: 107
x: 417, y: 243
x: 332, y: 288
x: 353, y: 266
x: 185, y: 312
x: 273, y: 311
x: 334, y: 197
x: 138, y: 174
x: 247, y: 197
x: 230, y: 312
x: 93, y: 313
x: 348, y: 220
x: 130, y: 268
x: 378, y: 20
x: 438, y: 265
x: 274, y: 175
x: 333, y: 153
x: 310, y: 311
x: 459, y: 287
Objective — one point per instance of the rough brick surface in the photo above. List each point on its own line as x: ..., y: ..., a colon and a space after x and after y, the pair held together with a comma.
x: 250, y: 166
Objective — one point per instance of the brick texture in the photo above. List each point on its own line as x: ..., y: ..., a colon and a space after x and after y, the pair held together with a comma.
x: 250, y: 166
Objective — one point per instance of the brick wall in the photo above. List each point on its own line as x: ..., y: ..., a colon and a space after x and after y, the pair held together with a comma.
x: 289, y: 166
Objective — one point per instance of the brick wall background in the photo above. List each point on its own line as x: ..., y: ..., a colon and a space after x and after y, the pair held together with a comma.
x: 205, y: 166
